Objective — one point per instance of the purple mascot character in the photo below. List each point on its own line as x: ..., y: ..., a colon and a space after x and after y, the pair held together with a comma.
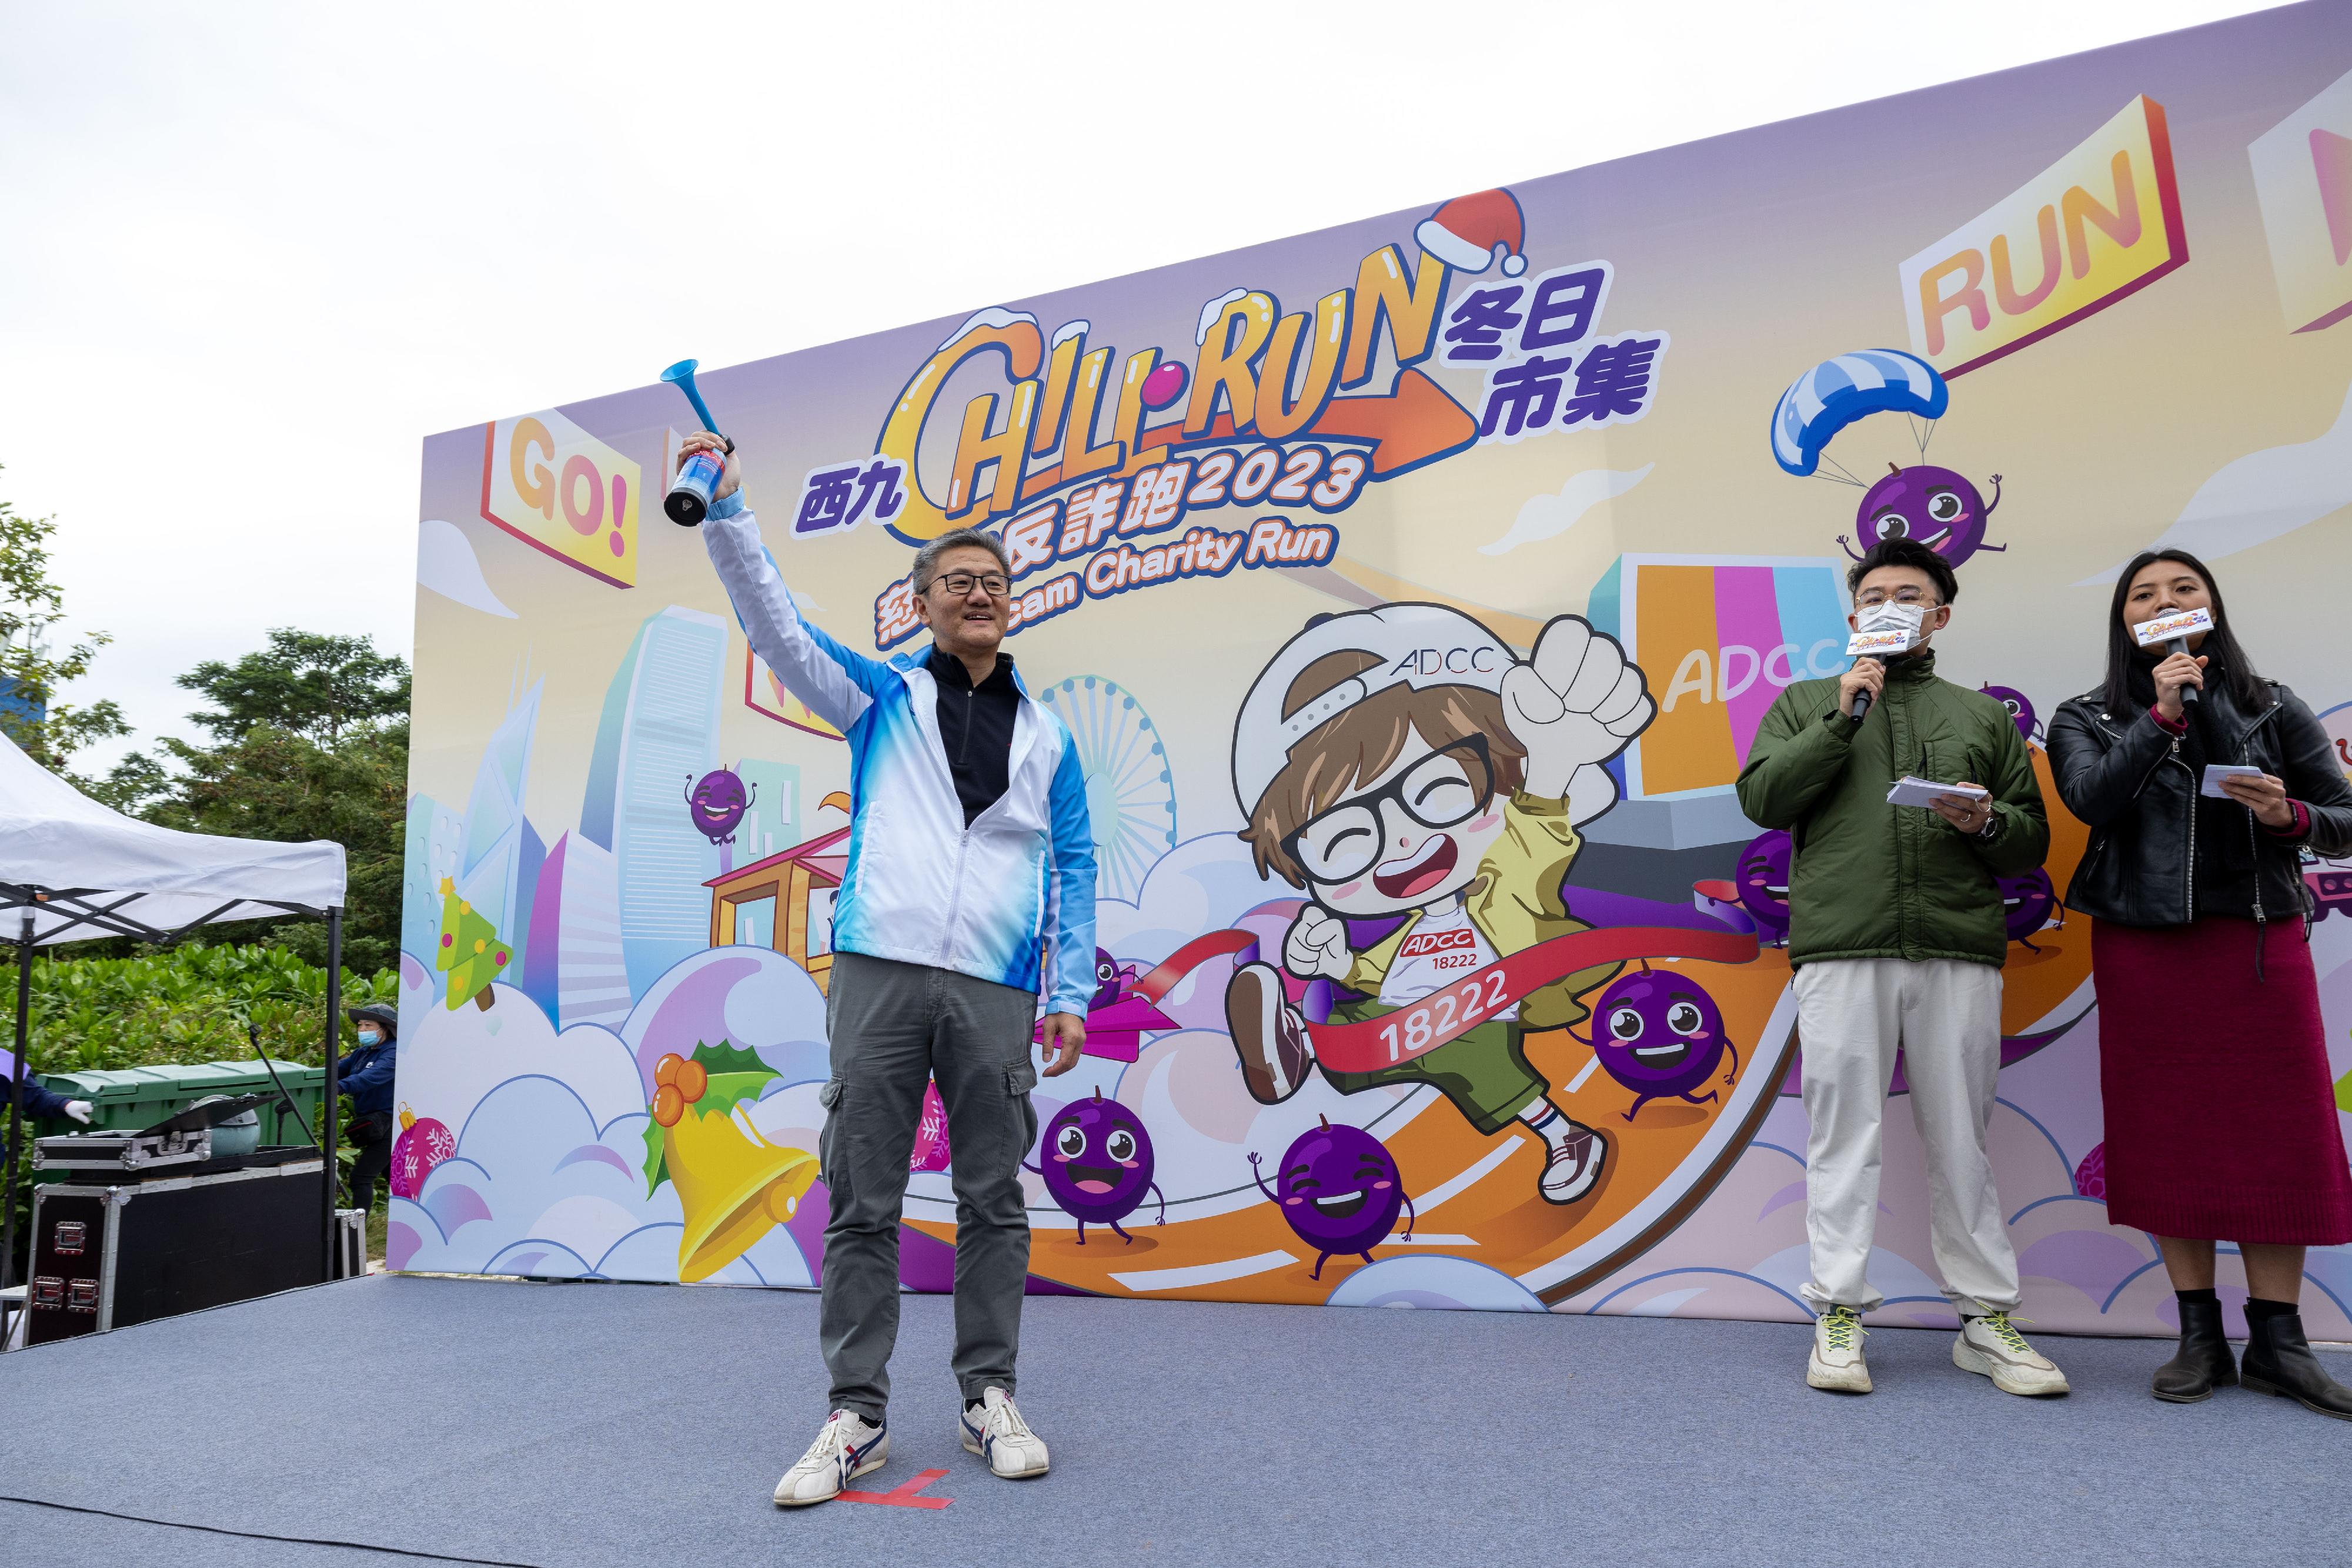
x: 1937, y: 507
x: 1763, y: 882
x: 1097, y: 1165
x: 1661, y: 1034
x: 1339, y: 1189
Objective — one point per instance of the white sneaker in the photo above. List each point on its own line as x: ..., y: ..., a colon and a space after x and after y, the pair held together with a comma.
x: 998, y: 1434
x: 1572, y: 1169
x: 1991, y: 1345
x: 1836, y: 1363
x: 846, y: 1448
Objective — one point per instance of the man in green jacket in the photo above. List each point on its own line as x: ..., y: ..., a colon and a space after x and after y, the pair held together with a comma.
x: 1896, y: 935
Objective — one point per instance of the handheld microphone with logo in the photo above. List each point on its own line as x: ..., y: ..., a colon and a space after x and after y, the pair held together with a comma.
x: 2172, y: 630
x: 1884, y: 631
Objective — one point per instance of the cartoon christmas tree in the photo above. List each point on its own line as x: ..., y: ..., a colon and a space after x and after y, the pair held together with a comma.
x: 471, y: 954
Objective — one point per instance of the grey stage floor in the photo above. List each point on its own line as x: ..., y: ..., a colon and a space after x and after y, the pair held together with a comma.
x: 560, y: 1424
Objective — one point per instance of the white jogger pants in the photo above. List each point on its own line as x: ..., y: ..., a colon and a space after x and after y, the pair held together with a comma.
x: 1851, y: 1014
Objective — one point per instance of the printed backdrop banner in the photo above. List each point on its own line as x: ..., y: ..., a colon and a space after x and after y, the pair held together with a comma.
x: 1648, y: 411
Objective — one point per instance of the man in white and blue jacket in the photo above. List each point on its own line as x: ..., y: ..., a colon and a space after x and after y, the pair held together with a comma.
x: 970, y: 879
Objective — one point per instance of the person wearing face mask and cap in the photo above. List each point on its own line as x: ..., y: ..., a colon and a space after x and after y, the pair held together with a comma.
x: 1897, y: 937
x: 366, y: 1076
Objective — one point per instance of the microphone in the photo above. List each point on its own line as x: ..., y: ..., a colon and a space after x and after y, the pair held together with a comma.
x: 1887, y: 630
x: 2172, y: 630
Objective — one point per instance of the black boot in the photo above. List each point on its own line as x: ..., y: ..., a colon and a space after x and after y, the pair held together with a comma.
x: 2279, y: 1360
x: 2203, y: 1362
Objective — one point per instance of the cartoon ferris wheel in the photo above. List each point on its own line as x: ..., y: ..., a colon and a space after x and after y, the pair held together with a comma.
x: 1131, y: 798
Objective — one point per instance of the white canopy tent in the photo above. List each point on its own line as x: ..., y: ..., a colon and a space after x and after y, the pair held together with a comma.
x: 72, y: 870
x: 101, y: 873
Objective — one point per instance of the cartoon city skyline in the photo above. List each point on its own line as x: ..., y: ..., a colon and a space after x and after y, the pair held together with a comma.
x: 607, y: 907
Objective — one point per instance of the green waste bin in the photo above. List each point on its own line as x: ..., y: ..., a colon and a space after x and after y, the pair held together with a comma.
x: 134, y: 1097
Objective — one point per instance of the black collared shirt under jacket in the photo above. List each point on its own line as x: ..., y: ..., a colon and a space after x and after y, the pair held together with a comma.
x: 976, y: 728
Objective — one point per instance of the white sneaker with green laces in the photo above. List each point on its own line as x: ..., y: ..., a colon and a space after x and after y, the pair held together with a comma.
x: 1990, y: 1345
x: 1836, y: 1363
x: 846, y: 1449
x: 997, y: 1433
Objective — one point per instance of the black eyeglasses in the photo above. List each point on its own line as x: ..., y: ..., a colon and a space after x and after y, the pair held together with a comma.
x: 959, y: 583
x: 1452, y: 784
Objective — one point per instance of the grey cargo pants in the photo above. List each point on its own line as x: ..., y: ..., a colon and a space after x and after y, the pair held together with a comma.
x: 893, y: 1026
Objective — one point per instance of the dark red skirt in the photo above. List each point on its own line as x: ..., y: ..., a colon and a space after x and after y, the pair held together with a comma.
x: 2221, y: 1120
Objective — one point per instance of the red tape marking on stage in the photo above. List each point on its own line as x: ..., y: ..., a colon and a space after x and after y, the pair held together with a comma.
x: 903, y: 1494
x: 1464, y: 1004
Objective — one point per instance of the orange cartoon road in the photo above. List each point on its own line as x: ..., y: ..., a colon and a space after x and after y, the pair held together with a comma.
x: 1475, y: 1197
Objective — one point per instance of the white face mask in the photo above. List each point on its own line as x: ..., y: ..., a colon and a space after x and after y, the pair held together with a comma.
x: 370, y: 1036
x: 1890, y: 616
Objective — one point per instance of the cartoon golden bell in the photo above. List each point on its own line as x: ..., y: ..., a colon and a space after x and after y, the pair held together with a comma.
x: 732, y: 1185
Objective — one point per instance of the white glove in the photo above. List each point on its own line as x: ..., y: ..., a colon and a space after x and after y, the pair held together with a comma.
x: 1575, y: 701
x: 79, y: 1110
x: 1318, y: 944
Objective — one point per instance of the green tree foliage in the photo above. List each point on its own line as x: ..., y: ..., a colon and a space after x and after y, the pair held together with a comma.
x: 32, y: 666
x: 133, y: 787
x: 271, y: 783
x: 318, y: 685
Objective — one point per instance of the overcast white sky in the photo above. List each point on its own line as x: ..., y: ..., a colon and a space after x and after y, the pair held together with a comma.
x: 255, y: 253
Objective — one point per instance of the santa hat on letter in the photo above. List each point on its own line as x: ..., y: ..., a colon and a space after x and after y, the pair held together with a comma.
x: 1470, y: 233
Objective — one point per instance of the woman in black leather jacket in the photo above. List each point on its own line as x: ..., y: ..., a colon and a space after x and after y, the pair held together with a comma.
x: 2213, y: 1072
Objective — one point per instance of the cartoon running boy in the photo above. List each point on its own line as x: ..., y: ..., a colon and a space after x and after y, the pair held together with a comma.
x: 1400, y: 761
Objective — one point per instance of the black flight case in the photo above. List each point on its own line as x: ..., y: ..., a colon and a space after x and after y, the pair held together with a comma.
x: 137, y: 1226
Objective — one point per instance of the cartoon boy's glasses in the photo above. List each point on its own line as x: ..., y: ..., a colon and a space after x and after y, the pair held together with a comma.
x: 1450, y: 785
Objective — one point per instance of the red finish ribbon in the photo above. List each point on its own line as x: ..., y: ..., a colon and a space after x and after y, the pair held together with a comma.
x: 1190, y: 957
x: 1462, y: 1005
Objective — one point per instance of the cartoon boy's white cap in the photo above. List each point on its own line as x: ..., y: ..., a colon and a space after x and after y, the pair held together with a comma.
x: 1420, y: 645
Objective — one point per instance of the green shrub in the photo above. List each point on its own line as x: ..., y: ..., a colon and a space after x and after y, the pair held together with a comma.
x: 187, y: 1004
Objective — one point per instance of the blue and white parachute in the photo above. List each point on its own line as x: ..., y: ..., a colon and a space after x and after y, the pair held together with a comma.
x: 1836, y: 393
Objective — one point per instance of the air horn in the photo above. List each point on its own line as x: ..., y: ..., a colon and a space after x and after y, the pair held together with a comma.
x: 698, y: 478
